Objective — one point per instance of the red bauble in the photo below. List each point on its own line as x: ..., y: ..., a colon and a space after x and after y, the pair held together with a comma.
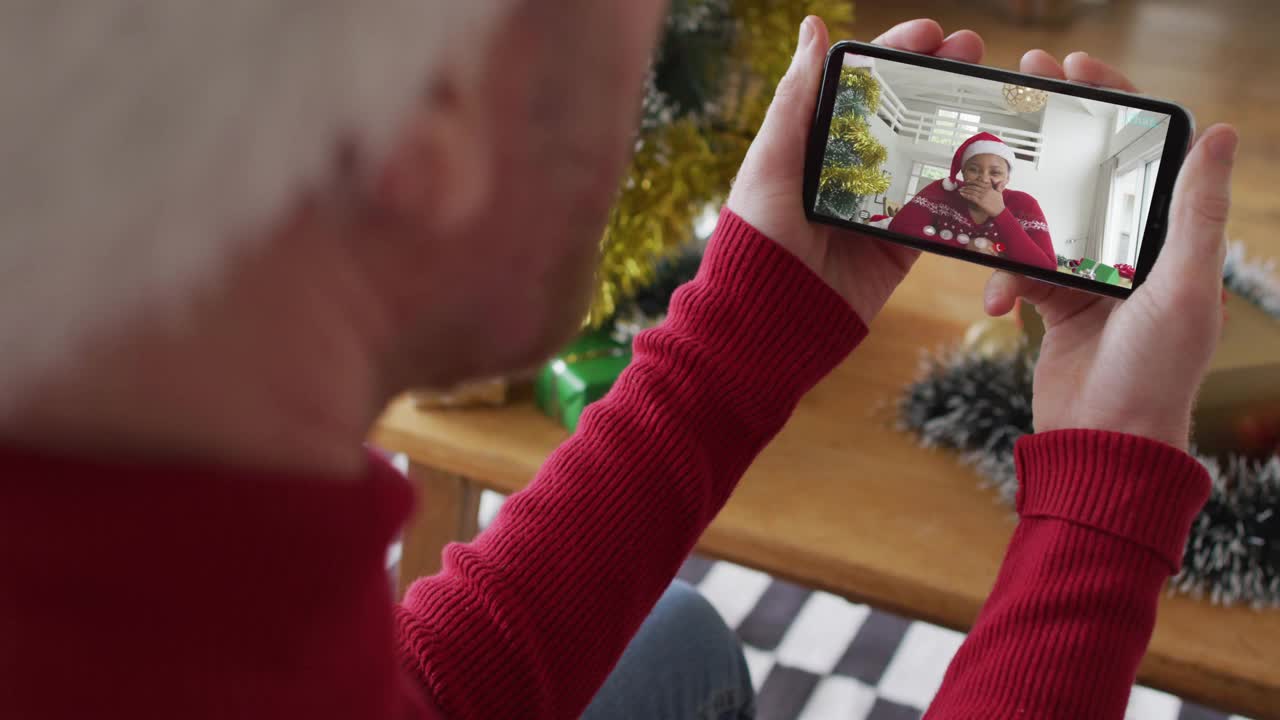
x: 1126, y: 271
x: 1259, y: 432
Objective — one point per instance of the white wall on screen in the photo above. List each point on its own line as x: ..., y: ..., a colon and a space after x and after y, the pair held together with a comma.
x: 1075, y: 144
x: 1077, y: 138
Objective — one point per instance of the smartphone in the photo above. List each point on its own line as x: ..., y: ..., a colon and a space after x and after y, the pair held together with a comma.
x: 1060, y: 181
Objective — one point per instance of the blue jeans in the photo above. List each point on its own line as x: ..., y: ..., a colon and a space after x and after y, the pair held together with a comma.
x: 684, y: 664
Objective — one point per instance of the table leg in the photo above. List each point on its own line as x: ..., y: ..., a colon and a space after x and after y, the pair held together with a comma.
x: 448, y: 511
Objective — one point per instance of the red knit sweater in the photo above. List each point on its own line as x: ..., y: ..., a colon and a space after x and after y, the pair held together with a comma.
x: 160, y: 591
x: 1020, y: 233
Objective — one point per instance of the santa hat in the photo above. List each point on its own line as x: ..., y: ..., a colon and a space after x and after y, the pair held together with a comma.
x: 984, y: 143
x: 162, y: 139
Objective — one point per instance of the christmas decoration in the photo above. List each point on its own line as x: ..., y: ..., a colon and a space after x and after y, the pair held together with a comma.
x: 627, y: 324
x: 1233, y: 555
x: 1239, y: 402
x: 1259, y: 433
x: 851, y: 168
x: 980, y: 406
x: 1126, y: 271
x: 977, y: 400
x: 1093, y: 270
x: 974, y: 404
x: 711, y: 82
x: 1257, y: 282
x: 579, y: 376
x: 993, y: 337
x: 649, y: 305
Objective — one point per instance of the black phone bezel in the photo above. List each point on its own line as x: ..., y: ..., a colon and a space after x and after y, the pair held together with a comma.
x: 1178, y: 143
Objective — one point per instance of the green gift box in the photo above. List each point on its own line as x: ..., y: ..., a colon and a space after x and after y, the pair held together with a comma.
x: 580, y: 375
x: 1099, y: 271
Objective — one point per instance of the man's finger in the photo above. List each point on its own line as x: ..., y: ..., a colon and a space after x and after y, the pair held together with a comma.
x: 1196, y: 242
x: 779, y: 148
x: 920, y: 36
x: 1054, y: 302
x: 1083, y: 68
x: 1039, y: 62
x: 797, y: 92
x: 963, y: 45
x: 926, y: 36
x: 1003, y: 291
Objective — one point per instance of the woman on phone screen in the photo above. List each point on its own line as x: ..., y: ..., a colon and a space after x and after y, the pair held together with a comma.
x: 980, y: 213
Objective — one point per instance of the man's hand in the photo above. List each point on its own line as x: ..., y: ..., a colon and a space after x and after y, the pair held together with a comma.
x: 769, y: 189
x: 1134, y: 366
x: 984, y: 197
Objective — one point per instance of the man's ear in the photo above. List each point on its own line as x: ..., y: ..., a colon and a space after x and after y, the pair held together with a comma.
x: 440, y: 168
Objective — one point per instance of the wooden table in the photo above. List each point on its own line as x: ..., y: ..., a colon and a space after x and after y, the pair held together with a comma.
x: 843, y: 502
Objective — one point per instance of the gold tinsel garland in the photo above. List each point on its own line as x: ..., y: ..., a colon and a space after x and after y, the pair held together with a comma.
x: 861, y: 79
x: 866, y: 178
x: 857, y: 132
x: 683, y: 168
x: 859, y: 180
x: 675, y: 174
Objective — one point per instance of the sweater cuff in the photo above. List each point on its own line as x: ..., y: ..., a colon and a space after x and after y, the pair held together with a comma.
x: 1138, y: 489
x: 761, y: 306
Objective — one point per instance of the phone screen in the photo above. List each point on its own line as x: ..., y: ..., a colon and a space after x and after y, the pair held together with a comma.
x: 1044, y: 180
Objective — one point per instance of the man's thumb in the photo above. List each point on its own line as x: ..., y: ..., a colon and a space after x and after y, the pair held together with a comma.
x: 1198, y: 218
x: 797, y: 94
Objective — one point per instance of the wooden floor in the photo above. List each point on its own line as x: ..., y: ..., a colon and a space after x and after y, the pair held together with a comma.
x: 1219, y: 58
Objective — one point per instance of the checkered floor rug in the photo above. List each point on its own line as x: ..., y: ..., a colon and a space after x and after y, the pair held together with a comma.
x: 816, y: 656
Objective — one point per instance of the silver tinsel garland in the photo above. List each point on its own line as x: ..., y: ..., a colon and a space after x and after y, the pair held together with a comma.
x: 980, y: 406
x: 685, y: 18
x: 1256, y: 281
x: 1233, y: 555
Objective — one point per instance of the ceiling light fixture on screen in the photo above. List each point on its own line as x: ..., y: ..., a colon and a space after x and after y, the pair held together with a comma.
x: 1024, y: 99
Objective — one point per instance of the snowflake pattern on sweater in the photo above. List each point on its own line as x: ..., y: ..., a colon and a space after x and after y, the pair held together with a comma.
x: 1020, y: 233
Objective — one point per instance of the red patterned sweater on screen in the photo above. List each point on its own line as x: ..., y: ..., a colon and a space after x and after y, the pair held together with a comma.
x: 142, y: 591
x: 1020, y: 233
